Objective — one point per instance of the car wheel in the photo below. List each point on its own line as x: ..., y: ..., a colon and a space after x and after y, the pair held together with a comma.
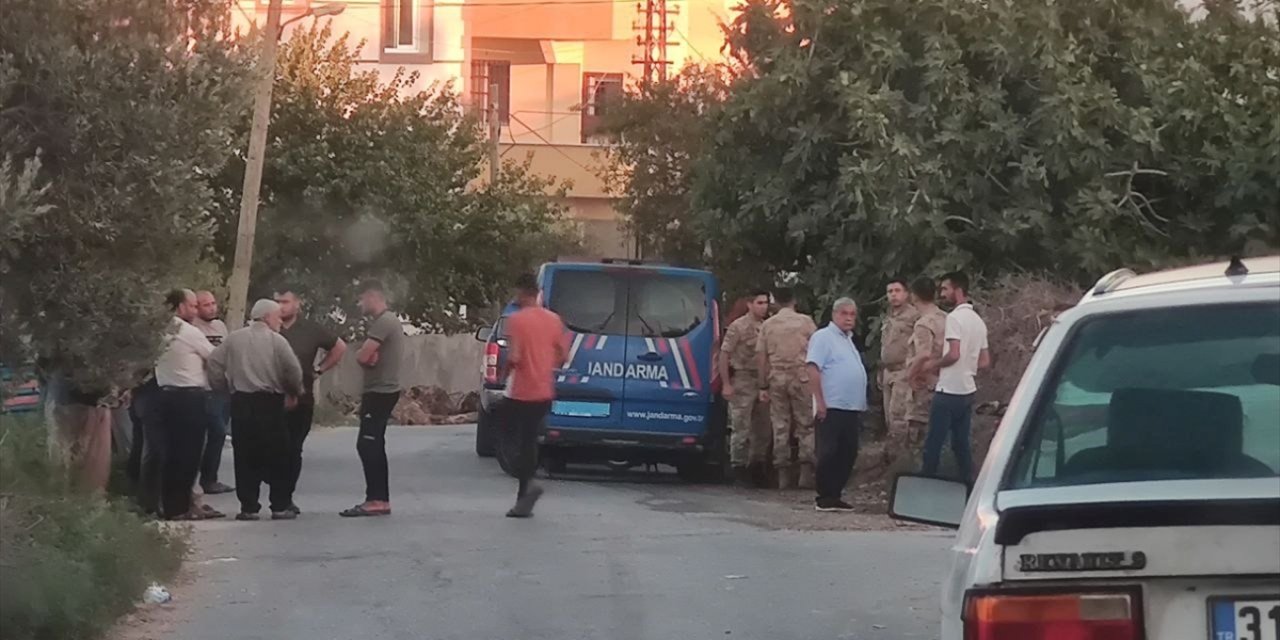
x: 486, y: 436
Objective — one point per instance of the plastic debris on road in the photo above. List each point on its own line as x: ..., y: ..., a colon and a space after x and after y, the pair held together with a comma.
x: 156, y: 594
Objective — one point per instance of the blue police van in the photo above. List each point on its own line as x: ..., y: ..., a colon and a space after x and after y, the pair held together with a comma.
x: 639, y: 384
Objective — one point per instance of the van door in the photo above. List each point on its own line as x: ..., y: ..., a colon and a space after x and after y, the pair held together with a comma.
x: 592, y: 303
x: 670, y: 340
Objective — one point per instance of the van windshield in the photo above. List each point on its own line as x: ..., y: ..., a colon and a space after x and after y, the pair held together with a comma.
x: 638, y: 304
x: 1181, y: 393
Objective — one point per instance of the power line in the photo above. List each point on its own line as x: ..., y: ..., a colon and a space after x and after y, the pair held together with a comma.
x: 688, y: 41
x: 550, y: 144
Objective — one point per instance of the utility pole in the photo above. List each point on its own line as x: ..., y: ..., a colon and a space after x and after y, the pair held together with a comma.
x: 248, y: 223
x: 654, y: 39
x: 495, y: 132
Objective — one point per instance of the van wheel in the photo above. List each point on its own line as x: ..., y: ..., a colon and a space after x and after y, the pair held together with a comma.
x: 486, y: 436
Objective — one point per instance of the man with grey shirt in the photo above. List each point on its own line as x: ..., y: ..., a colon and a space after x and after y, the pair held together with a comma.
x: 215, y: 330
x: 380, y: 357
x: 257, y: 365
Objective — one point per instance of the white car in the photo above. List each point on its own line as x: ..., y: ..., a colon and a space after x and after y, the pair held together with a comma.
x: 1132, y: 491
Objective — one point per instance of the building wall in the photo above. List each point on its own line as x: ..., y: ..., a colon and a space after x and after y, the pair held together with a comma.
x: 549, y: 49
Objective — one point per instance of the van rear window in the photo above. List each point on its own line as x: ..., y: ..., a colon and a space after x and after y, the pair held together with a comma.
x: 650, y: 305
x: 1169, y: 394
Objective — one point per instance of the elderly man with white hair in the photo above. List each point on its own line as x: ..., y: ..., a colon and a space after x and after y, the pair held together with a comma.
x: 257, y: 365
x: 838, y: 381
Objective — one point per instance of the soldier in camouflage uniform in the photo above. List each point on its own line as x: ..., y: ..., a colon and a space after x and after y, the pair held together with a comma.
x: 895, y: 337
x: 780, y: 356
x: 928, y: 340
x: 748, y: 446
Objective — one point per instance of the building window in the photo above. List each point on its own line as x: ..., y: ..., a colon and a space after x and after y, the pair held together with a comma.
x: 483, y: 74
x: 599, y: 92
x: 399, y: 25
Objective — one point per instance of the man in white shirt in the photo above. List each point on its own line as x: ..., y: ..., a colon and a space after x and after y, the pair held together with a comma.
x: 182, y: 420
x: 966, y: 352
x: 215, y: 330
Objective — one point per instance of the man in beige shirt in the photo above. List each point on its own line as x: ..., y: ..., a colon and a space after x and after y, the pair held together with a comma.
x: 257, y: 365
x: 748, y: 446
x: 784, y: 384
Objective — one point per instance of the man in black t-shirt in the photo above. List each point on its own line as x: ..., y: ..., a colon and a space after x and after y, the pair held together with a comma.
x: 308, y: 338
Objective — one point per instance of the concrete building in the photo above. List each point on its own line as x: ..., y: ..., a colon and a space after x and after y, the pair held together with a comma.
x: 556, y: 63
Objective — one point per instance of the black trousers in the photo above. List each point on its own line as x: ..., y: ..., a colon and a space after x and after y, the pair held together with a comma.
x: 261, y: 442
x: 298, y: 423
x: 371, y: 443
x: 522, y: 421
x: 837, y: 450
x: 174, y: 441
x: 143, y: 396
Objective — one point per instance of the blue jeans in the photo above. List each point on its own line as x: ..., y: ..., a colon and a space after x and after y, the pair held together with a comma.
x: 219, y: 412
x: 950, y: 414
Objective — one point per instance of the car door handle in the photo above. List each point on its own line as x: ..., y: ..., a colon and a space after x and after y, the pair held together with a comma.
x: 652, y: 356
x: 691, y: 394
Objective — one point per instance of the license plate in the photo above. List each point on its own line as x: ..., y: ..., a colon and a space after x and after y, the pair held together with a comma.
x: 1244, y: 618
x: 580, y: 409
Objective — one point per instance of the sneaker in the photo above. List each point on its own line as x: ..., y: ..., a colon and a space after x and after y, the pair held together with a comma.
x: 832, y: 504
x: 287, y: 514
x: 245, y: 516
x: 216, y: 489
x: 524, y: 504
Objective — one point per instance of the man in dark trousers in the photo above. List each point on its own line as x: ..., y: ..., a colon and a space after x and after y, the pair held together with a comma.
x: 380, y: 356
x: 175, y: 437
x: 838, y: 382
x: 307, y: 338
x: 257, y: 365
x: 537, y: 348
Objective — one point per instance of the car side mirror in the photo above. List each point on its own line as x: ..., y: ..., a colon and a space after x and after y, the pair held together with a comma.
x: 928, y: 500
x: 483, y: 333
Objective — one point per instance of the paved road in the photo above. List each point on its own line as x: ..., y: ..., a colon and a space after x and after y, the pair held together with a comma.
x: 651, y: 560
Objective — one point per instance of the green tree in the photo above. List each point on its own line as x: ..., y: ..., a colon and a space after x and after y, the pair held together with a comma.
x: 872, y: 138
x: 656, y: 132
x: 112, y: 115
x: 370, y: 178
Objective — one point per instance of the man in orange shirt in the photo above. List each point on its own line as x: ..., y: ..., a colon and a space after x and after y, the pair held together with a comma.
x: 538, y: 347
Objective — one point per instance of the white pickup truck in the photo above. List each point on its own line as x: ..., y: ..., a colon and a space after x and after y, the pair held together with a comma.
x: 1132, y: 491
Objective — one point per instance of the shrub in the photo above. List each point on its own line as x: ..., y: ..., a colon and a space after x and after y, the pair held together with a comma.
x: 71, y: 563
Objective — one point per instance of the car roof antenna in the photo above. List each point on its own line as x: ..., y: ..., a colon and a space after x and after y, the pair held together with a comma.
x: 1237, y: 268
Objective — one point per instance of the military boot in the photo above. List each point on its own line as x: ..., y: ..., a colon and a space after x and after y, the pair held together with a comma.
x: 807, y: 479
x: 742, y: 477
x: 759, y: 475
x: 786, y: 478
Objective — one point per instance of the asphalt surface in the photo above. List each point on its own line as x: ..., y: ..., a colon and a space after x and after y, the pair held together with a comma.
x: 639, y: 558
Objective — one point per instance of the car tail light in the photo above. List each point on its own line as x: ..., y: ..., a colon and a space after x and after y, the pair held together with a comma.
x: 491, y: 363
x: 1053, y: 616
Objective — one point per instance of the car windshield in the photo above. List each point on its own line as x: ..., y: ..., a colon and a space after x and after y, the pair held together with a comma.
x: 1180, y: 393
x: 637, y: 304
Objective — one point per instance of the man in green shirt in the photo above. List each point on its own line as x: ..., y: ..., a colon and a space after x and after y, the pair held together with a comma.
x: 380, y: 355
x: 307, y: 338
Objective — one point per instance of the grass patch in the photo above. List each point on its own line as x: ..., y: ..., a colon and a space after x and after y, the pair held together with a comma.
x: 70, y: 563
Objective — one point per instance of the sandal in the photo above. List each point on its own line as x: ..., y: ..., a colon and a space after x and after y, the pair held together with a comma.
x: 210, y: 513
x: 362, y: 511
x: 190, y: 516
